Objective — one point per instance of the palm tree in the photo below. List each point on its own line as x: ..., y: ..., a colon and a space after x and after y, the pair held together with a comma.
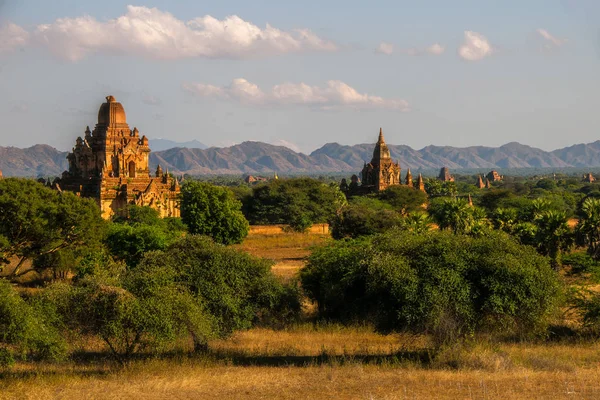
x: 588, y: 227
x: 458, y: 216
x: 553, y: 235
x: 417, y: 222
x: 505, y: 219
x: 538, y: 207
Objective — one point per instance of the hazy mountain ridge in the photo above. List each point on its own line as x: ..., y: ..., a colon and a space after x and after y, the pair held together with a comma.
x: 265, y: 159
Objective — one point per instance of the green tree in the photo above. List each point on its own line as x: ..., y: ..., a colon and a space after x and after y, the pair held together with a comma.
x: 213, y: 211
x: 418, y: 222
x: 403, y: 198
x: 588, y: 227
x: 458, y: 216
x: 129, y: 243
x: 294, y: 202
x: 138, y: 215
x: 37, y: 221
x: 358, y: 219
x: 553, y: 235
x: 505, y: 219
x: 434, y: 188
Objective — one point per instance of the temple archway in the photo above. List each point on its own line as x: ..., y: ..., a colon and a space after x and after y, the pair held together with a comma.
x: 132, y: 169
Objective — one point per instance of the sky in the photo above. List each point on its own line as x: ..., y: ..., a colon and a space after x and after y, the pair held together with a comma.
x: 303, y: 74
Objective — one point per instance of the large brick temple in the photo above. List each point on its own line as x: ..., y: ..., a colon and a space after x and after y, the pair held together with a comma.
x: 110, y: 164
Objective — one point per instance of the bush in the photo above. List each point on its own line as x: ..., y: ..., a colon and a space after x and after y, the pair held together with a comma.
x: 131, y: 321
x: 447, y: 285
x: 236, y: 288
x: 581, y: 263
x: 25, y: 329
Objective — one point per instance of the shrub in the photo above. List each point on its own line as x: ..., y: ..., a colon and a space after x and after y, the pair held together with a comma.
x: 447, y: 285
x: 236, y: 288
x: 25, y: 329
x: 131, y: 321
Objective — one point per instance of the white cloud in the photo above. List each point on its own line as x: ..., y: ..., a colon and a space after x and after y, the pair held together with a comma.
x: 335, y: 94
x: 11, y: 37
x: 385, y: 48
x: 550, y: 40
x: 475, y: 47
x: 435, y: 49
x: 153, y: 33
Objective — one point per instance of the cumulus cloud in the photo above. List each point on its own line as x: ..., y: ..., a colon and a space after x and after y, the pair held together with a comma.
x: 153, y: 33
x: 435, y: 49
x: 11, y: 37
x: 385, y: 48
x: 475, y: 47
x: 335, y: 94
x: 550, y: 40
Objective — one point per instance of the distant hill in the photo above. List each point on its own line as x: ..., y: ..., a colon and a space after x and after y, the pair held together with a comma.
x: 166, y: 144
x: 263, y: 158
x: 38, y: 160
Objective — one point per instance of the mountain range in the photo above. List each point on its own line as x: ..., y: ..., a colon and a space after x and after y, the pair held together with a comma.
x: 262, y: 158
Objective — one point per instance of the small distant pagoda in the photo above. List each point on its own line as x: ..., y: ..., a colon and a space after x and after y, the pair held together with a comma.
x: 589, y: 178
x: 445, y: 176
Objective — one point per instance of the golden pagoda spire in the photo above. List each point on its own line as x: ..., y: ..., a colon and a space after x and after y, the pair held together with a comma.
x: 421, y: 183
x: 409, y: 180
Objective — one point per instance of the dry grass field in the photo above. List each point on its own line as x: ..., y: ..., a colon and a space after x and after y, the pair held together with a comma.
x: 329, y: 362
x: 312, y: 361
x: 286, y: 250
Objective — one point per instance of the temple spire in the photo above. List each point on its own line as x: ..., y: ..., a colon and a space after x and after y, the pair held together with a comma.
x: 409, y: 180
x: 380, y: 140
x: 421, y: 183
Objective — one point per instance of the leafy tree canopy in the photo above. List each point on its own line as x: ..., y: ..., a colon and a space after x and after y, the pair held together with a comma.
x: 296, y: 201
x: 36, y: 220
x: 213, y: 211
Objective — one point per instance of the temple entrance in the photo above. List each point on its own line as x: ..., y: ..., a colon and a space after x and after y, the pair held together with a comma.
x: 132, y: 169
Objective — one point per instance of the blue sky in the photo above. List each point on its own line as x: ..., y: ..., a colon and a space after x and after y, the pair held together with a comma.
x: 305, y: 73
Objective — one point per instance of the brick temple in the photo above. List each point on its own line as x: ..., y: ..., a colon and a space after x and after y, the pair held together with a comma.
x: 110, y: 164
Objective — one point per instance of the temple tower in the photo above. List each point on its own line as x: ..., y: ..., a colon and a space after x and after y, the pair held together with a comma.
x: 381, y: 172
x: 110, y: 164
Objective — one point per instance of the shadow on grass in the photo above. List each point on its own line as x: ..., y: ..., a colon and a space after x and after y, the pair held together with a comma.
x: 91, y: 364
x: 422, y: 357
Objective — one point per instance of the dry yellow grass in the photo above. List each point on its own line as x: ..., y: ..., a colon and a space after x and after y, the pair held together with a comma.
x: 251, y: 366
x: 325, y: 362
x: 287, y: 250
